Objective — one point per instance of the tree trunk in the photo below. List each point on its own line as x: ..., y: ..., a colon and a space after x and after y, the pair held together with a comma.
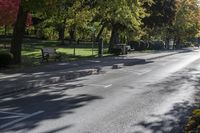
x: 62, y: 32
x: 167, y: 43
x: 72, y: 32
x: 100, y: 32
x: 18, y: 34
x: 178, y: 43
x: 114, y: 37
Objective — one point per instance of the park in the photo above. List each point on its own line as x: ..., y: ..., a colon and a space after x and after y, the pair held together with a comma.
x: 96, y: 66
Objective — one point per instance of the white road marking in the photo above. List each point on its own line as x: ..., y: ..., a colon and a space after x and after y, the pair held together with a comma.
x: 10, y: 113
x: 107, y: 86
x: 9, y: 117
x: 104, y: 86
x: 20, y: 119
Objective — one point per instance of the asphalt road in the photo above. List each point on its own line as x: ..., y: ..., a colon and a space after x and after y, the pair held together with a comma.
x: 154, y: 97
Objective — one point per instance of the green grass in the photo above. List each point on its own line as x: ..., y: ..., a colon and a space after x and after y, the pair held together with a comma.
x: 31, y: 51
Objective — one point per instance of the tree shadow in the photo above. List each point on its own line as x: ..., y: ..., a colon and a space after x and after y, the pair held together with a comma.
x: 55, y: 73
x: 54, y: 102
x: 180, y: 111
x: 174, y: 120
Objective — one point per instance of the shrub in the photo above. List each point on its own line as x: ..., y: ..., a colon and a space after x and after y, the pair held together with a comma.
x: 5, y: 59
x: 116, y: 51
x: 134, y: 45
x: 143, y: 45
x: 193, y: 122
x: 159, y: 45
x: 188, y: 44
x: 151, y: 45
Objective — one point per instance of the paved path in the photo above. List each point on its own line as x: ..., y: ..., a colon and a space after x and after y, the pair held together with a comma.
x: 152, y: 97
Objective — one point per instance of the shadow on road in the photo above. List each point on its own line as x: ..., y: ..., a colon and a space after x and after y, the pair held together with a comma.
x: 173, y: 121
x: 60, y: 72
x: 54, y: 101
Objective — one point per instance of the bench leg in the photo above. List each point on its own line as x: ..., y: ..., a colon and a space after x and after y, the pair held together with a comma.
x: 45, y: 59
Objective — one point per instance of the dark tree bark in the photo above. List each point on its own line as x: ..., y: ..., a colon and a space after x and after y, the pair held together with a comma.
x: 167, y: 43
x: 72, y: 32
x: 100, y: 32
x: 62, y: 32
x: 178, y: 43
x: 114, y: 37
x: 18, y: 34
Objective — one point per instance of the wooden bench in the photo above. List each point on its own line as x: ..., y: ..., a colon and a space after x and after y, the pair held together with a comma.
x: 48, y: 53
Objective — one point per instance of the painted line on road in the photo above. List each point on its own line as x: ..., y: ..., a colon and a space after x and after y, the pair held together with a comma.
x: 104, y: 86
x: 21, y: 119
x: 10, y: 113
x: 107, y: 86
x: 9, y: 117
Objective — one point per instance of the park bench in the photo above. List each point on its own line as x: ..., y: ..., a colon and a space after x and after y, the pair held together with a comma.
x: 48, y: 53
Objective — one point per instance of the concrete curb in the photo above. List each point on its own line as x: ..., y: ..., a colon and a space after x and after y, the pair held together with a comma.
x: 52, y: 80
x: 183, y: 51
x: 121, y: 65
x: 141, y: 61
x: 21, y: 86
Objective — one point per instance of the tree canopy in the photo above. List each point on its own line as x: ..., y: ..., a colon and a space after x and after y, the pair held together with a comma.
x: 116, y: 20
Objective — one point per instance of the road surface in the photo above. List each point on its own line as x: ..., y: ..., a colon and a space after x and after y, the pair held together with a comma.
x: 154, y: 97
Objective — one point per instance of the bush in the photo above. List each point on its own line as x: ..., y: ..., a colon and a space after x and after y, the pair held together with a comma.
x: 134, y: 45
x: 143, y: 45
x: 193, y: 122
x: 116, y: 51
x: 5, y: 59
x: 159, y: 45
x: 188, y: 44
x: 151, y: 45
x: 138, y: 46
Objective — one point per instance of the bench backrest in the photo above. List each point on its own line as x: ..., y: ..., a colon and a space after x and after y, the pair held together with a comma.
x: 49, y: 51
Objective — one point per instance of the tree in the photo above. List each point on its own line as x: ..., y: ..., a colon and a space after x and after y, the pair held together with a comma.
x: 162, y: 13
x: 8, y: 11
x: 120, y: 16
x: 187, y: 22
x: 24, y: 7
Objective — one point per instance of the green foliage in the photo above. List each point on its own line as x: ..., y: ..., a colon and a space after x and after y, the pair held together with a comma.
x: 187, y: 22
x: 162, y: 13
x: 124, y: 12
x: 5, y: 59
x: 193, y: 124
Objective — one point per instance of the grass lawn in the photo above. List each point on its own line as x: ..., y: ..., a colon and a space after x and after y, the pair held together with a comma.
x: 31, y: 51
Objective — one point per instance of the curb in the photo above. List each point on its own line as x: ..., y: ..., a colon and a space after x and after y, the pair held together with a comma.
x: 73, y: 75
x: 141, y: 61
x: 153, y: 58
x: 52, y: 80
x: 121, y: 65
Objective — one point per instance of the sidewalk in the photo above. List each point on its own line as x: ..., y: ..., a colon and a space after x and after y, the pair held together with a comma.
x: 54, y: 73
